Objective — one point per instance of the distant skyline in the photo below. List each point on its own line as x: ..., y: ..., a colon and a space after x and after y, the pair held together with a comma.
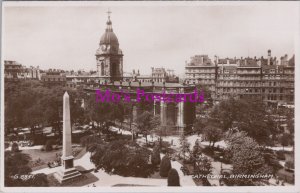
x: 66, y: 37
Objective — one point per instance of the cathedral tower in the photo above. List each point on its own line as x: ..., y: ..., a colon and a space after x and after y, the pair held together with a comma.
x: 109, y: 56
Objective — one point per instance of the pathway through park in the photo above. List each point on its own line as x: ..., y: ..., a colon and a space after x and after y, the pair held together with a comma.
x: 111, y: 180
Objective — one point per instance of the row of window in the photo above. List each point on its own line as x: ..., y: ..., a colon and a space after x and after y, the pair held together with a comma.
x: 200, y: 76
x: 201, y: 70
x: 54, y: 79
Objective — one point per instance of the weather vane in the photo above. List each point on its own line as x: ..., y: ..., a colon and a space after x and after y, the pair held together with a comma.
x: 108, y: 13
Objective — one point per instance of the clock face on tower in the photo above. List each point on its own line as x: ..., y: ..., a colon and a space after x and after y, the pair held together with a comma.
x: 105, y: 47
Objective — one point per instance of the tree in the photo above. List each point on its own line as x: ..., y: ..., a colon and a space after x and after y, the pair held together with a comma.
x: 199, y: 125
x: 120, y: 111
x: 247, y: 158
x: 91, y: 142
x: 144, y: 123
x: 202, y: 166
x: 225, y: 113
x: 184, y: 146
x: 173, y: 178
x: 271, y: 160
x: 289, y: 164
x: 122, y: 158
x: 196, y: 152
x: 157, y: 127
x: 165, y: 166
x: 212, y: 133
x: 15, y: 147
x: 29, y: 103
x: 48, y: 146
x: 155, y: 157
x: 285, y: 140
x: 290, y: 120
x: 207, y: 94
x: 247, y: 115
x: 15, y: 164
x: 98, y: 112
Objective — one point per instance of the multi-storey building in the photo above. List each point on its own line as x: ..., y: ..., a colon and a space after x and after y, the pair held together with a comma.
x: 54, y: 77
x: 163, y: 75
x: 201, y: 70
x: 32, y: 73
x: 158, y: 74
x: 263, y: 78
x: 15, y: 71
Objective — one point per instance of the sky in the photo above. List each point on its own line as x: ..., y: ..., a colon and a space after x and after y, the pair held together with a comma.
x: 159, y: 35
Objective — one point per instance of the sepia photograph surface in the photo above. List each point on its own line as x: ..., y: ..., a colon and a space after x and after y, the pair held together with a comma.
x: 140, y: 96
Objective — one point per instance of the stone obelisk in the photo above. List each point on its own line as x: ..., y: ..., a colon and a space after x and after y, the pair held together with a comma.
x: 68, y: 171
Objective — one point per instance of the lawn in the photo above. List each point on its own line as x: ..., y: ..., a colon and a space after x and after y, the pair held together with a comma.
x: 46, y: 157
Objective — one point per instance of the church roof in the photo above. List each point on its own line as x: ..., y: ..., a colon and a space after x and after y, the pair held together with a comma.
x: 109, y: 37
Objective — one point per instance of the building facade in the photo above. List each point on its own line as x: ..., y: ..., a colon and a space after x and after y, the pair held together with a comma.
x: 262, y: 78
x: 15, y: 71
x: 163, y: 75
x: 201, y: 70
x: 54, y: 77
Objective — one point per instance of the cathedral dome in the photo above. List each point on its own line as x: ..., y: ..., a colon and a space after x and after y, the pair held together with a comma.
x: 109, y: 37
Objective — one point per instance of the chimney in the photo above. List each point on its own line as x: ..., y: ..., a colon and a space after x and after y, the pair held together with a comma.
x: 217, y: 60
x: 201, y: 59
x: 259, y: 63
x: 269, y: 57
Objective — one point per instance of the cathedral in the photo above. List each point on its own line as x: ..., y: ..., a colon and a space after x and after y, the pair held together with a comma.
x: 109, y: 56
